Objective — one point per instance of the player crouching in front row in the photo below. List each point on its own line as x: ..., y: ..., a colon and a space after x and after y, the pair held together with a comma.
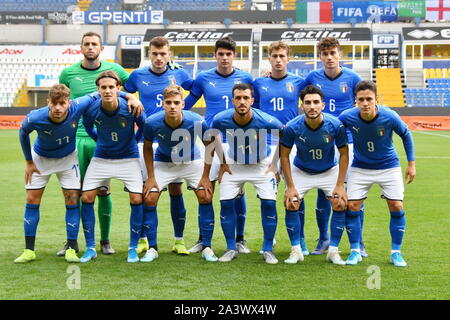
x: 177, y: 157
x: 116, y: 156
x: 316, y: 135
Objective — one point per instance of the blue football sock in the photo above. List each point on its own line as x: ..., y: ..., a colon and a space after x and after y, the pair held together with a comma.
x: 292, y: 220
x: 353, y: 225
x: 31, y: 219
x: 136, y: 219
x: 397, y: 228
x: 301, y: 214
x: 269, y: 222
x: 323, y: 211
x: 241, y: 211
x: 88, y: 219
x: 228, y: 222
x: 337, y: 227
x: 178, y: 213
x: 206, y: 213
x: 361, y: 219
x: 72, y: 221
x: 150, y: 224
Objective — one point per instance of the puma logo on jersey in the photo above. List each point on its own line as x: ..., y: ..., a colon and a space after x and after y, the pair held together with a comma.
x: 356, y: 129
x: 318, y: 85
x: 161, y: 135
x: 79, y: 79
x: 98, y: 122
x: 146, y: 83
x: 48, y: 132
x: 302, y: 138
x: 265, y: 89
x: 212, y: 83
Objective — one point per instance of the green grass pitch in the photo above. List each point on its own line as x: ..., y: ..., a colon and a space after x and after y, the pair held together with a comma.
x: 426, y: 245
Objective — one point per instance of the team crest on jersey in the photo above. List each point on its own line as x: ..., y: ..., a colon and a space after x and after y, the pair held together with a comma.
x: 380, y: 131
x: 326, y: 138
x: 123, y: 122
x: 289, y: 87
x: 172, y: 80
x: 343, y: 87
x: 237, y: 81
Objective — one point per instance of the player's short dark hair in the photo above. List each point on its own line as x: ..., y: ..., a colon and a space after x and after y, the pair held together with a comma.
x: 91, y: 34
x: 242, y: 86
x: 327, y: 44
x: 225, y: 43
x: 310, y: 89
x: 58, y: 92
x: 172, y: 90
x: 277, y: 45
x: 159, y: 42
x: 108, y: 74
x: 366, y: 85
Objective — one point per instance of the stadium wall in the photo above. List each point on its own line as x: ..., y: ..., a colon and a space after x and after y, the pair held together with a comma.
x: 71, y: 34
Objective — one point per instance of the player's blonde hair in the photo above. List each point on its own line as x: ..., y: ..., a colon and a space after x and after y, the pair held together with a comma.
x: 173, y: 90
x: 58, y: 92
x: 277, y: 45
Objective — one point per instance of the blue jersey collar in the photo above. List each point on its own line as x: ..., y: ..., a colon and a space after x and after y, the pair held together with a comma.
x: 279, y: 79
x: 224, y: 76
x: 157, y: 74
x: 335, y: 78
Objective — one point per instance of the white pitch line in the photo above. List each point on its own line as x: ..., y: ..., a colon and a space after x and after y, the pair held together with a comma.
x: 428, y: 157
x: 433, y: 134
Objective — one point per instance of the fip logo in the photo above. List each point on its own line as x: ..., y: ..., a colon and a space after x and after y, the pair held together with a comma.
x: 386, y: 39
x: 133, y: 41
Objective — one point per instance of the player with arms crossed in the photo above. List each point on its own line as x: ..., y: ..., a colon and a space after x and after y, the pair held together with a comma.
x: 247, y: 160
x: 150, y: 83
x: 80, y: 78
x: 376, y: 162
x: 337, y: 84
x: 177, y: 157
x: 215, y: 85
x: 278, y: 95
x: 53, y: 152
x: 316, y: 135
x: 116, y: 156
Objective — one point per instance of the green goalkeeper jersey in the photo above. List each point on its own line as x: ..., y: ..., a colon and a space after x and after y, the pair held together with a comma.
x: 81, y: 81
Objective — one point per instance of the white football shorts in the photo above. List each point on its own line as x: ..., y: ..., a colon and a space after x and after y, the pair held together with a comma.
x: 101, y: 171
x: 264, y: 182
x: 361, y: 180
x: 169, y: 172
x: 66, y: 169
x: 304, y: 182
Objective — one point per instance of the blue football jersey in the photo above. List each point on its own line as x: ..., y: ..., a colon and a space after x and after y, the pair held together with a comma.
x: 151, y: 85
x: 247, y: 144
x: 179, y: 144
x: 115, y: 134
x: 372, y: 141
x: 338, y: 92
x: 216, y: 89
x: 278, y: 97
x: 315, y: 147
x: 54, y: 140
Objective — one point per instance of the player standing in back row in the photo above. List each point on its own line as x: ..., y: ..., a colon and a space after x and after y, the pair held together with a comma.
x: 337, y: 84
x: 216, y: 87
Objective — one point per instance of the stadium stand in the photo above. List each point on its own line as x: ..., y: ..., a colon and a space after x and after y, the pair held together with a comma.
x: 189, y: 4
x: 14, y: 72
x: 105, y: 5
x: 35, y: 5
x: 389, y: 85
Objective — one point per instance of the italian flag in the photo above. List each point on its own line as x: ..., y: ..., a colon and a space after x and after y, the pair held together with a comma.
x: 74, y: 124
x: 326, y: 139
x: 314, y: 12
